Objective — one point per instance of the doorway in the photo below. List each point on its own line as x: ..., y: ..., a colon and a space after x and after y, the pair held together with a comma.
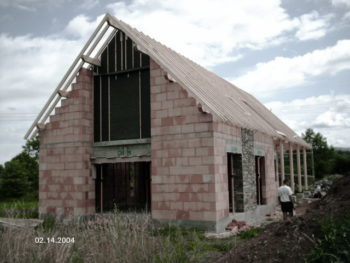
x: 123, y: 186
x: 235, y: 182
x: 260, y: 180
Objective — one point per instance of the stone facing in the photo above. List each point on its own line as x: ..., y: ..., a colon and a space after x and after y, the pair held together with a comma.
x: 248, y: 169
x: 65, y: 183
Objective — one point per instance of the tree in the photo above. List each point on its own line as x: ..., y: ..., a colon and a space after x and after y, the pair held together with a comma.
x: 342, y: 162
x: 32, y: 147
x: 323, y: 154
x: 14, y: 183
x: 20, y: 176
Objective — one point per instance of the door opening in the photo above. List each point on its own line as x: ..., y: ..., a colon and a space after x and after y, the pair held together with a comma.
x: 123, y: 186
x: 260, y: 180
x: 235, y: 182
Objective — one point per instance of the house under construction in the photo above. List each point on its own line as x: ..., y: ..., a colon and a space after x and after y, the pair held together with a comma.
x: 135, y: 125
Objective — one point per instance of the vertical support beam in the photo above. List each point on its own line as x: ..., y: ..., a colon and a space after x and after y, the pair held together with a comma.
x: 101, y: 189
x: 277, y: 170
x: 300, y: 189
x: 291, y: 166
x: 313, y: 163
x: 282, y: 161
x: 305, y: 170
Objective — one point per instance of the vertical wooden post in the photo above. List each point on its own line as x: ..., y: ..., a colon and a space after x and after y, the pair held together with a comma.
x: 291, y: 166
x: 282, y: 161
x: 305, y: 170
x: 277, y: 170
x: 299, y: 170
x: 101, y: 190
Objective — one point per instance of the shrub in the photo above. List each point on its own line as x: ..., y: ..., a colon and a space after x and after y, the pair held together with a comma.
x: 333, y: 244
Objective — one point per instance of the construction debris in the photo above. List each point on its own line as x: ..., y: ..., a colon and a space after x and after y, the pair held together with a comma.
x: 19, y: 222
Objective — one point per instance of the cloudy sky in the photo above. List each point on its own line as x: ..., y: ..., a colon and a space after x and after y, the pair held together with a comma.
x: 294, y: 56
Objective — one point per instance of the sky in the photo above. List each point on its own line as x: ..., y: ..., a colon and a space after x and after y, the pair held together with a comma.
x: 294, y: 56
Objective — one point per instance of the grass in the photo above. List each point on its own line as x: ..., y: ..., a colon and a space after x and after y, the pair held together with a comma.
x: 250, y: 233
x: 120, y: 237
x: 19, y: 209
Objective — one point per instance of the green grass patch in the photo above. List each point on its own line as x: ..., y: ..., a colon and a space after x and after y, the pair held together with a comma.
x: 253, y: 232
x: 183, y: 244
x: 19, y: 209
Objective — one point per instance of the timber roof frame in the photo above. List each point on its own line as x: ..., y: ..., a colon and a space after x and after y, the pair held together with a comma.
x: 212, y: 93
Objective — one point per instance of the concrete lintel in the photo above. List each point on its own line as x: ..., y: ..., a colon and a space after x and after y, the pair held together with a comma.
x: 122, y: 151
x: 259, y: 152
x: 121, y: 160
x: 123, y: 142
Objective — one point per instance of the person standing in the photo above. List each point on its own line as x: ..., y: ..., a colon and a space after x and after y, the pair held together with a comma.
x: 285, y: 198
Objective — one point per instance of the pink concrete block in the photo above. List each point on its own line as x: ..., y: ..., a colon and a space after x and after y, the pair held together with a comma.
x: 163, y: 214
x: 182, y: 215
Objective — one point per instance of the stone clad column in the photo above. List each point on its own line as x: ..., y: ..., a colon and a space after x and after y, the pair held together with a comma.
x: 305, y: 170
x: 299, y: 170
x: 291, y: 166
x: 248, y: 169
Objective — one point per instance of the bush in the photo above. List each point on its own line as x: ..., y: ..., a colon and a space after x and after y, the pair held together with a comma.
x: 333, y: 244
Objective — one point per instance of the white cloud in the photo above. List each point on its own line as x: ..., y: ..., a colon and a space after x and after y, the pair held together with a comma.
x: 80, y: 26
x: 332, y: 118
x: 89, y: 4
x: 209, y: 32
x: 312, y: 26
x: 346, y: 17
x: 340, y: 3
x: 328, y: 114
x: 284, y: 73
x: 33, y: 5
x: 30, y: 5
x: 30, y: 68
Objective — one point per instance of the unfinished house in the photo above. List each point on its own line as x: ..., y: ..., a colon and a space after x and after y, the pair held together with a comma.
x: 133, y: 125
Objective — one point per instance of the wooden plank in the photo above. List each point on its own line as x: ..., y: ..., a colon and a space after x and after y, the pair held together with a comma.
x: 92, y: 61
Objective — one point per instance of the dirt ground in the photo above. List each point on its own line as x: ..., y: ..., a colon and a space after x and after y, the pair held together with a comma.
x: 289, y: 241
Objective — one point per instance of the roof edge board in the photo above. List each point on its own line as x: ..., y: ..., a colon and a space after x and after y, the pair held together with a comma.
x: 72, y: 77
x: 31, y: 131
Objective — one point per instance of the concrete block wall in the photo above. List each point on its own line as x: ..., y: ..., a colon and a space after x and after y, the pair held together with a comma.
x: 183, y: 170
x: 266, y: 143
x: 227, y: 138
x: 66, y: 186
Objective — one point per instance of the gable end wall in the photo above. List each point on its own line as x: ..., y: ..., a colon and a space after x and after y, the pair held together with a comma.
x: 66, y: 186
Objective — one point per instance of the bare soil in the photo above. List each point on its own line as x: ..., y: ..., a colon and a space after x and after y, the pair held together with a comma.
x: 291, y: 240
